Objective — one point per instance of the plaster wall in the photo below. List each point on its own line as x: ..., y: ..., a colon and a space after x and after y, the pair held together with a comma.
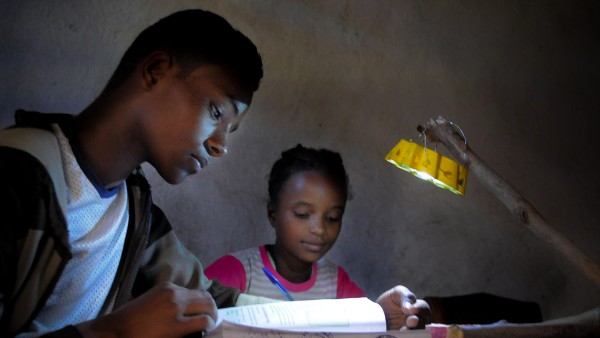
x: 521, y: 78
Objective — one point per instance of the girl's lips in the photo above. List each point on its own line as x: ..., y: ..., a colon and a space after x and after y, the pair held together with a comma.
x: 315, y: 247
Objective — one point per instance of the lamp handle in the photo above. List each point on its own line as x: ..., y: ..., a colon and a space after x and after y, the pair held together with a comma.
x: 443, y: 131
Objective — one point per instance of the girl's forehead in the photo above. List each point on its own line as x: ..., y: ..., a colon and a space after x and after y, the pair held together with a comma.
x: 305, y: 177
x: 310, y: 181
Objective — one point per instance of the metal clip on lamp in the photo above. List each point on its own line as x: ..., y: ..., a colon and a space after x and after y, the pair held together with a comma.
x: 445, y: 173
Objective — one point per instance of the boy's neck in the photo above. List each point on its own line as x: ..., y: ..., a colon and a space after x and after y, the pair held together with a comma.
x: 106, y: 143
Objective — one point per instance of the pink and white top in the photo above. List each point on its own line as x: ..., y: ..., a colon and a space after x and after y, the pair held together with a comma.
x: 244, y: 270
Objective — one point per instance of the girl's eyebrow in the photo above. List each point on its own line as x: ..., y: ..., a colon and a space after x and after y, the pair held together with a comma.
x: 339, y: 207
x: 301, y: 203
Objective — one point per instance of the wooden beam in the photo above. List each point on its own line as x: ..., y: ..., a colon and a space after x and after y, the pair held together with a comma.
x: 441, y: 130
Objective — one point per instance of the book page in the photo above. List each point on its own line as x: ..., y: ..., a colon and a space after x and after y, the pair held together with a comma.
x: 331, y: 315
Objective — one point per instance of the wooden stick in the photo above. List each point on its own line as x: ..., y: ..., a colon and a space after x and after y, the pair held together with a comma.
x: 443, y: 131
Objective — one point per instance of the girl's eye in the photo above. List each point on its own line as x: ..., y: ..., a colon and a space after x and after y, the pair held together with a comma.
x: 301, y: 215
x: 215, y: 112
x: 334, y: 218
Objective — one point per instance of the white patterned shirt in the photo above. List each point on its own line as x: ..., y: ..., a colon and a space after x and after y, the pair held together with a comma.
x: 97, y: 227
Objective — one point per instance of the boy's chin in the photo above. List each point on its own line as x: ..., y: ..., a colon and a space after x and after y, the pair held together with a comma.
x: 175, y: 178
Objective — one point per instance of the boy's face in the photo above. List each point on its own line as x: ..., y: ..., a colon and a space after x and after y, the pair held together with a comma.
x: 308, y: 218
x: 190, y: 120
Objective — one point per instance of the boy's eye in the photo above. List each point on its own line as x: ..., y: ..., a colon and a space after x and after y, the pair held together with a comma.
x: 215, y: 112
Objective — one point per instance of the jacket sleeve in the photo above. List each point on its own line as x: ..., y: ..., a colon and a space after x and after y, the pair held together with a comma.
x: 9, y: 235
x: 66, y: 332
x: 28, y: 207
x: 167, y: 259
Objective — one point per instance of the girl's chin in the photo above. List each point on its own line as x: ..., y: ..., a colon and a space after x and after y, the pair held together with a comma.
x: 314, y: 249
x: 312, y: 257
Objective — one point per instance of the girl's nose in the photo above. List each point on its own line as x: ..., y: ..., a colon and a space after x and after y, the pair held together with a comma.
x: 317, y: 227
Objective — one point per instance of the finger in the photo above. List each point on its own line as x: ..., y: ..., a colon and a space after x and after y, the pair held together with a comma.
x: 410, y: 297
x: 412, y: 321
x: 194, y: 306
x: 422, y: 309
x: 417, y: 308
x: 408, y: 301
x: 198, y: 323
x: 200, y: 302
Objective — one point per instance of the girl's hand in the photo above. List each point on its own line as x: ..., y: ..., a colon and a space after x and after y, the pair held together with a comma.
x: 403, y: 310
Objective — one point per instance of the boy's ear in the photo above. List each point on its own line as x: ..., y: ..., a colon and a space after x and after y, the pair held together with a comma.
x: 155, y: 67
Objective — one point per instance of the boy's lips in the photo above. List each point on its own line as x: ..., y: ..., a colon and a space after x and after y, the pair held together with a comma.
x: 203, y: 162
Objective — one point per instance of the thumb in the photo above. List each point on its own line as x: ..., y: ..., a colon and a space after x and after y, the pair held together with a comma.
x: 405, y: 298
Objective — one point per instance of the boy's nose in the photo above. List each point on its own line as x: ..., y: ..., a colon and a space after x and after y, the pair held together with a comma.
x: 215, y: 146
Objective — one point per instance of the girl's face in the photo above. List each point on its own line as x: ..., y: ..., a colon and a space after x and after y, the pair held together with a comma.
x: 307, y: 219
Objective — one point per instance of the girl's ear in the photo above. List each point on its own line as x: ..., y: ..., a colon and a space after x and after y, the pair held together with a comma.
x: 155, y: 67
x: 271, y: 214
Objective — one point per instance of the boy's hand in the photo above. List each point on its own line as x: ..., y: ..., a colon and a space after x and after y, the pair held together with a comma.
x: 403, y: 310
x: 166, y: 310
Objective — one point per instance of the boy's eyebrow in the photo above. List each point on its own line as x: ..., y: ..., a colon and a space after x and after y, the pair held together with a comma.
x: 238, y: 106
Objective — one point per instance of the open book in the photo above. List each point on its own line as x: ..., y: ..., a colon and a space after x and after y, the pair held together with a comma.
x: 350, y: 317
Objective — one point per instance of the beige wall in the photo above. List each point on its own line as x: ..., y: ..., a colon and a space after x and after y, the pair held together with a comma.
x: 521, y: 78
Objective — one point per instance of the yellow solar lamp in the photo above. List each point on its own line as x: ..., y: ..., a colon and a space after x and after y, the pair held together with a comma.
x: 429, y: 165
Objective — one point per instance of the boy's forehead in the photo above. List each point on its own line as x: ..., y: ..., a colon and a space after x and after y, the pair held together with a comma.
x: 219, y: 77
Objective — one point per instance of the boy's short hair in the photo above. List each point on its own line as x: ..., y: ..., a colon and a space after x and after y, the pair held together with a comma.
x: 193, y: 38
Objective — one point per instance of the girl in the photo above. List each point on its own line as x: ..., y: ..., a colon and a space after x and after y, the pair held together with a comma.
x: 308, y: 190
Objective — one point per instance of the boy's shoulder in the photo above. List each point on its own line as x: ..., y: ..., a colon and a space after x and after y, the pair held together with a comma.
x: 42, y: 144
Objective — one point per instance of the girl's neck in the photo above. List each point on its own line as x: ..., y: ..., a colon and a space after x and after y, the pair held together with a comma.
x: 295, y: 273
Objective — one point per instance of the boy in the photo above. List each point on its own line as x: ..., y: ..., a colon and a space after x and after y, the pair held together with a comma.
x: 182, y: 86
x: 84, y: 252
